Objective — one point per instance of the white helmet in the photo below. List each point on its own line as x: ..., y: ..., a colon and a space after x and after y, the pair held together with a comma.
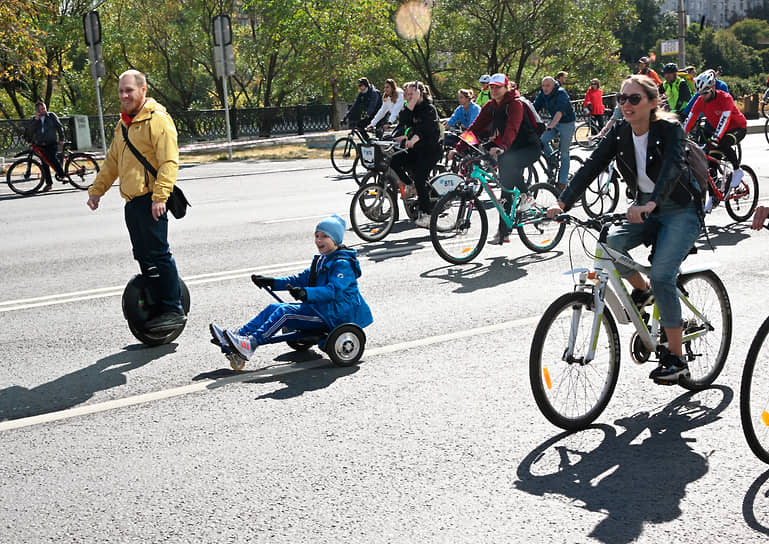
x: 705, y: 81
x: 485, y: 78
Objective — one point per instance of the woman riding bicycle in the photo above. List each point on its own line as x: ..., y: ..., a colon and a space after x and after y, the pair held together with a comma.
x: 514, y: 142
x: 392, y: 104
x: 649, y: 149
x: 419, y: 128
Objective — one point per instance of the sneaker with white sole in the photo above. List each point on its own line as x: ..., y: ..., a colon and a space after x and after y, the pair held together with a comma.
x: 525, y: 203
x: 217, y: 336
x: 423, y: 220
x: 670, y: 369
x: 737, y: 177
x: 709, y: 204
x: 242, y: 345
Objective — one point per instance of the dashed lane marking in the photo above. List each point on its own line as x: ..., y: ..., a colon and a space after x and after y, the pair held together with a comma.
x: 209, y: 384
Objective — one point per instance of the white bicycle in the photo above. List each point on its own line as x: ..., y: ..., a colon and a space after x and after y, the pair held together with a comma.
x: 575, y: 354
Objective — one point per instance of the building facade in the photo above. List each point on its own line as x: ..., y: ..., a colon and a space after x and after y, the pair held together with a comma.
x: 718, y: 13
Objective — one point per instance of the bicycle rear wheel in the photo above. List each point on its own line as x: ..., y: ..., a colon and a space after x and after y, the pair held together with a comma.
x: 742, y: 200
x: 710, y: 339
x: 81, y: 170
x: 25, y: 176
x: 582, y: 135
x: 372, y: 212
x: 570, y: 392
x: 458, y: 226
x: 343, y: 155
x: 754, y: 394
x: 766, y: 131
x: 602, y: 195
x: 537, y: 232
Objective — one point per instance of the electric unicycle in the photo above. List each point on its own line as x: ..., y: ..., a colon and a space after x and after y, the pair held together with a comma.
x: 139, y: 307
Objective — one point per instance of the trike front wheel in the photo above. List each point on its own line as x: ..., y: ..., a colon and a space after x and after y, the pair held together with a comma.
x: 570, y: 391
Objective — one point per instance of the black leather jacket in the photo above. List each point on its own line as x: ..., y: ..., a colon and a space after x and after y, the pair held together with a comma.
x: 665, y: 164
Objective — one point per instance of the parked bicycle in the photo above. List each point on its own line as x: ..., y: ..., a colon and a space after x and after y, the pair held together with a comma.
x: 28, y: 174
x: 754, y: 393
x: 575, y: 353
x: 459, y: 225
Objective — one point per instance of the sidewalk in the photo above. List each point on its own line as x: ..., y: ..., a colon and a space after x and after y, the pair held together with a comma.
x: 756, y: 126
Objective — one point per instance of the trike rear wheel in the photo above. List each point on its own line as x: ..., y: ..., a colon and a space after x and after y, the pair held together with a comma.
x: 345, y: 345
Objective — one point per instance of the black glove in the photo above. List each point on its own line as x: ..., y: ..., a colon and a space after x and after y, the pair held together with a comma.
x: 263, y: 281
x: 298, y: 293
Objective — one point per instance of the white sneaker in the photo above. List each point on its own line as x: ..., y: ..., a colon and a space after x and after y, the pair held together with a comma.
x: 423, y: 220
x: 737, y: 177
x: 525, y: 203
x: 708, y: 204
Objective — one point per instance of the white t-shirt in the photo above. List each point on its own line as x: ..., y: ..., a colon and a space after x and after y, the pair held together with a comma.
x: 641, y: 143
x: 389, y: 107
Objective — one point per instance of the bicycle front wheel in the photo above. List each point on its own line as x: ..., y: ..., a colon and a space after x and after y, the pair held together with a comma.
x: 25, y: 176
x: 754, y: 394
x: 343, y: 154
x: 537, y: 232
x: 372, y: 212
x: 81, y: 170
x: 741, y: 201
x: 458, y: 226
x: 602, y: 195
x: 570, y: 391
x: 707, y: 333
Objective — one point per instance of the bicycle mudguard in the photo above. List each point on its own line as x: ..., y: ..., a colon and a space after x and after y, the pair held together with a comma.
x: 698, y: 267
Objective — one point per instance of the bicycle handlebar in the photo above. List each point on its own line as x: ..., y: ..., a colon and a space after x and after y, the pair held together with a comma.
x: 596, y: 223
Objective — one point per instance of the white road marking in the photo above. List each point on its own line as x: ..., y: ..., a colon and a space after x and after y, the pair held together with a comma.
x: 302, y: 218
x: 205, y: 385
x: 103, y: 292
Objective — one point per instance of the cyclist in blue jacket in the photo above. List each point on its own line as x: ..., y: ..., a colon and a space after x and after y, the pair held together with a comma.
x: 556, y: 101
x: 327, y: 292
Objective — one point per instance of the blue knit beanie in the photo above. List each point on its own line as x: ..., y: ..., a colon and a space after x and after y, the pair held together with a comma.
x: 334, y: 226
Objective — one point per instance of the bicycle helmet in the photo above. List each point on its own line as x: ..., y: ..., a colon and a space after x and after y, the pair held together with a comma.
x: 705, y: 81
x: 645, y: 60
x: 484, y: 80
x: 670, y: 68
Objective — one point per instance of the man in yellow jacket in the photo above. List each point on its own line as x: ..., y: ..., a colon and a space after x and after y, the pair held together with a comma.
x: 152, y: 132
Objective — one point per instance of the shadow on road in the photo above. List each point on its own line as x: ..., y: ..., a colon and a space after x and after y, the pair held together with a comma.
x: 755, y: 506
x: 730, y: 235
x: 73, y: 389
x: 635, y: 477
x: 379, y: 251
x: 474, y: 276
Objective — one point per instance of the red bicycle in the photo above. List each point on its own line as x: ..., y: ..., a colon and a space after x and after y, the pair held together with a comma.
x: 740, y: 198
x: 28, y: 174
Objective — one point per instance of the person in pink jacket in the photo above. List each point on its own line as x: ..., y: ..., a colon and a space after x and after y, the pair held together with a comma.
x: 594, y: 104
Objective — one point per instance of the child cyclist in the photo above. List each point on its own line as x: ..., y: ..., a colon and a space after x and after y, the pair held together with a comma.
x: 327, y: 292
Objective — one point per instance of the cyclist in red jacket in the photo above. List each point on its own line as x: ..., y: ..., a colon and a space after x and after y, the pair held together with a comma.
x: 721, y: 112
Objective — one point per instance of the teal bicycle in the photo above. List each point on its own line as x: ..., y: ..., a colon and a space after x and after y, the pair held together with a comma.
x: 459, y: 225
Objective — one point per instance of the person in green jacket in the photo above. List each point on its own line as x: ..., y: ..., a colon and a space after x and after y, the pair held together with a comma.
x: 485, y: 95
x: 674, y: 88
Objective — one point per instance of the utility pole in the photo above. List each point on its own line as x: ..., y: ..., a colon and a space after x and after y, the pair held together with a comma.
x: 92, y: 27
x: 681, y: 34
x: 224, y: 62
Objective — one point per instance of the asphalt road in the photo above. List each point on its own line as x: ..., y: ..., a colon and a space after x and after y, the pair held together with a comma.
x: 434, y: 437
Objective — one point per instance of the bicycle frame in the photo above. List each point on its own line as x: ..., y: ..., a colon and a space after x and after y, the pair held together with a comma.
x: 618, y: 299
x: 484, y: 178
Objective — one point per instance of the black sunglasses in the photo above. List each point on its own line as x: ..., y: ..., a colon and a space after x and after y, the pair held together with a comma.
x: 634, y: 99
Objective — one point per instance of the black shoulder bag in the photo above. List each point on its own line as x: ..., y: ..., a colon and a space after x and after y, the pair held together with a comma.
x: 177, y: 203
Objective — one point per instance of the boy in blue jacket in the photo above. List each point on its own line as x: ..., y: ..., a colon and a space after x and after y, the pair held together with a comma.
x: 327, y: 292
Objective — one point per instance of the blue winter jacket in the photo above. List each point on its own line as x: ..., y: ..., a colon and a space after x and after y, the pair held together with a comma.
x: 557, y: 100
x: 464, y: 117
x: 334, y: 296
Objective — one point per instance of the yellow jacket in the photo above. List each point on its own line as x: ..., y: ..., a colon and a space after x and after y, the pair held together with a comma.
x: 153, y: 133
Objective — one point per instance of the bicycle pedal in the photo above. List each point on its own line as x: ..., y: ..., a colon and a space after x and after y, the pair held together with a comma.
x: 665, y: 382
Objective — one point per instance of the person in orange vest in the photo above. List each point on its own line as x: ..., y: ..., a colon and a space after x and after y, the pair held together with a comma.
x: 644, y: 70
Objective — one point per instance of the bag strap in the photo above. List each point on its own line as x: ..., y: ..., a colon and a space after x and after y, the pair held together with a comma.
x: 314, y: 272
x: 142, y: 159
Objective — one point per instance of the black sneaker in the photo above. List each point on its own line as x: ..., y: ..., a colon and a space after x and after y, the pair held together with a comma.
x: 48, y: 187
x: 642, y: 297
x: 671, y: 368
x: 166, y: 321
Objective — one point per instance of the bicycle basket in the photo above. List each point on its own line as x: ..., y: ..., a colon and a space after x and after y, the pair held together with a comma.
x: 368, y: 155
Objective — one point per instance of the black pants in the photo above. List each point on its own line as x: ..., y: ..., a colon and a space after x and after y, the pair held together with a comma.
x: 728, y: 144
x: 49, y: 152
x: 149, y: 239
x: 415, y: 166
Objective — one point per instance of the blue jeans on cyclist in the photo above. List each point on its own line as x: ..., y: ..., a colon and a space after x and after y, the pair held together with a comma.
x: 512, y: 165
x: 566, y: 133
x: 677, y: 228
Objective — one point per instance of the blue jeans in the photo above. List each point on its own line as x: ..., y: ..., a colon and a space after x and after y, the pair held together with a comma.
x: 149, y: 239
x: 679, y: 228
x: 274, y: 317
x: 566, y: 132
